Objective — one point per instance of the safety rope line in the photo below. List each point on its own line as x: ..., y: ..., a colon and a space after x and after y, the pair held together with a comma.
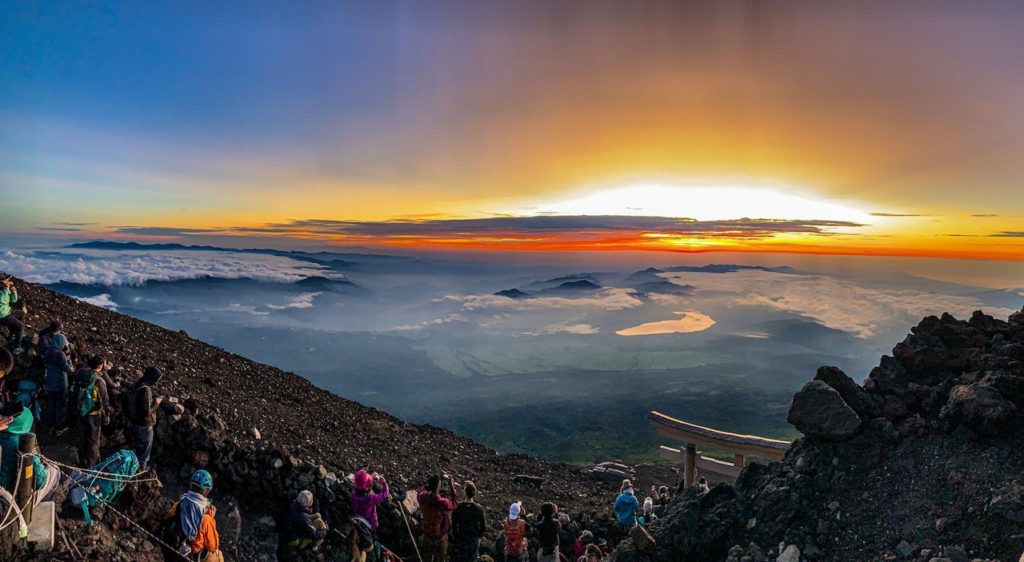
x: 14, y: 503
x: 101, y: 475
x: 123, y: 516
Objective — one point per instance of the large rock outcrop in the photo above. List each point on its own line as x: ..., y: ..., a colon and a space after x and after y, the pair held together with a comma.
x: 924, y: 461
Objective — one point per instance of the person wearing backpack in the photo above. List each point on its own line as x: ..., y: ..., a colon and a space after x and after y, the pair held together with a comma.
x: 516, y: 548
x: 55, y: 381
x: 305, y: 528
x: 140, y: 408
x: 46, y: 336
x: 90, y: 404
x: 191, y: 526
x: 468, y: 527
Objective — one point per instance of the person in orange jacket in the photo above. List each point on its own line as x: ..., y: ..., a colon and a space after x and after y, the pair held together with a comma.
x: 196, y: 529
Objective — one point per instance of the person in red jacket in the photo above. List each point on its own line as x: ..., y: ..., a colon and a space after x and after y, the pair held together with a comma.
x: 436, y: 511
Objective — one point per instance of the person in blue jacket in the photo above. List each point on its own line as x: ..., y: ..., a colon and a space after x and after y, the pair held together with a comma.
x: 626, y: 505
x: 58, y: 367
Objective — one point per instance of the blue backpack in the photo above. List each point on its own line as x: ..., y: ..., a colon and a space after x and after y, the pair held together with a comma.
x: 88, y: 489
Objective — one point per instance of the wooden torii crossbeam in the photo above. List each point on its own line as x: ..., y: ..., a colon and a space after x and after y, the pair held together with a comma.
x: 742, y: 446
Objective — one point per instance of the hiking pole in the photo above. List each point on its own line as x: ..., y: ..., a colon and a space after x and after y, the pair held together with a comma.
x: 416, y: 547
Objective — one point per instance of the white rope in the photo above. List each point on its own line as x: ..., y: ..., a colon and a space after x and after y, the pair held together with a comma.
x: 8, y: 521
x: 123, y: 516
x: 100, y: 475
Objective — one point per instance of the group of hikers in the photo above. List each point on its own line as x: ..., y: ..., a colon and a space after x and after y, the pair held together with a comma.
x: 50, y: 384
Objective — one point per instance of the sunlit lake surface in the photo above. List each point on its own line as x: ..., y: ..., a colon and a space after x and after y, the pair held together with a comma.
x: 690, y: 321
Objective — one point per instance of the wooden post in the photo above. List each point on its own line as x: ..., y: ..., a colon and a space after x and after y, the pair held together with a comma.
x: 27, y: 484
x: 740, y: 461
x: 690, y: 475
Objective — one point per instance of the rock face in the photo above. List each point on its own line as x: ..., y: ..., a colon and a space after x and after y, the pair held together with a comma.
x: 924, y: 461
x: 819, y: 410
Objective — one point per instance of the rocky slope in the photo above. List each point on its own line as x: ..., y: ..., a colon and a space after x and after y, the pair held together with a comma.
x: 924, y: 461
x: 266, y: 434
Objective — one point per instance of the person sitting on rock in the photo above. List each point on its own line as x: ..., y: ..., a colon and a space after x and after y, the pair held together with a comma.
x: 436, y: 511
x: 141, y: 412
x: 468, y: 526
x: 702, y: 486
x: 626, y: 505
x: 90, y: 403
x: 55, y: 381
x: 15, y: 421
x: 306, y: 529
x: 516, y: 545
x: 10, y: 317
x: 548, y: 531
x: 193, y: 525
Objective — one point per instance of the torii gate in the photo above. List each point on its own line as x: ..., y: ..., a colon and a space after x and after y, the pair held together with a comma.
x: 742, y: 446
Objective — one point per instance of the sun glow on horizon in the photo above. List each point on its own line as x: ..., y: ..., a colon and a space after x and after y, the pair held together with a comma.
x: 703, y: 202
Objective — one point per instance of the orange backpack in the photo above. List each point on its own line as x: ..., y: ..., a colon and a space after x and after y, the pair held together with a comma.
x: 515, y: 532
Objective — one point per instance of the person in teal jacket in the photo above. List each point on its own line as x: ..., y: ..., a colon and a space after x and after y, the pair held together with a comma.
x: 12, y: 318
x: 15, y: 421
x: 626, y: 505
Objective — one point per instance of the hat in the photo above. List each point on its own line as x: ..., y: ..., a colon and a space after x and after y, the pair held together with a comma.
x: 587, y: 537
x: 514, y: 510
x: 12, y: 408
x: 305, y: 498
x: 202, y: 479
x: 648, y: 505
x: 362, y: 480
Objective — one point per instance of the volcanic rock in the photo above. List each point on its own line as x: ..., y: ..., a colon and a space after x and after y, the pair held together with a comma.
x: 819, y: 410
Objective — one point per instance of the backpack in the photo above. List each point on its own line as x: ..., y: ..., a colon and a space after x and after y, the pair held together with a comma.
x: 88, y: 489
x: 515, y: 532
x: 171, y: 532
x: 128, y: 406
x: 86, y: 396
x: 364, y: 533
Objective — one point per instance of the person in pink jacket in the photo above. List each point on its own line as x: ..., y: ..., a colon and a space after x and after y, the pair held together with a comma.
x: 365, y: 500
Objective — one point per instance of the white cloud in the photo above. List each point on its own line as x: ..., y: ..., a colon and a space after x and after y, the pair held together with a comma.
x: 610, y: 298
x: 97, y: 267
x: 449, y: 319
x: 305, y: 300
x: 565, y: 328
x: 101, y: 300
x: 836, y: 303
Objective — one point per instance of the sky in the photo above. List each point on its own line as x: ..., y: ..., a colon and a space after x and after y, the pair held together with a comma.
x: 862, y: 128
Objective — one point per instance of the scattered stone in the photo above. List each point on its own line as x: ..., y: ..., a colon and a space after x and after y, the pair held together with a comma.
x: 790, y: 554
x: 904, y: 549
x: 819, y: 410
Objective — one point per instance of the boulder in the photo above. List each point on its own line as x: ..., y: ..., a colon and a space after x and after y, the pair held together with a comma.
x: 790, y: 554
x: 981, y: 408
x: 818, y: 410
x: 853, y: 394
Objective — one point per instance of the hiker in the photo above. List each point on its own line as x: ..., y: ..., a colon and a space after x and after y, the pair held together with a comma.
x: 567, y: 538
x: 661, y: 504
x: 626, y: 505
x: 90, y: 403
x: 648, y: 517
x: 15, y: 421
x: 579, y: 547
x: 436, y: 510
x: 12, y: 318
x: 192, y: 528
x: 702, y: 486
x: 364, y: 500
x: 362, y: 543
x: 46, y: 336
x: 548, y: 531
x: 141, y: 412
x: 592, y: 554
x: 55, y: 381
x: 468, y: 526
x: 305, y: 528
x: 516, y: 545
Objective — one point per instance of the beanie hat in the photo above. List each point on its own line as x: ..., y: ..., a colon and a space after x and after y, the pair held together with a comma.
x: 514, y: 510
x: 305, y: 498
x: 362, y: 480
